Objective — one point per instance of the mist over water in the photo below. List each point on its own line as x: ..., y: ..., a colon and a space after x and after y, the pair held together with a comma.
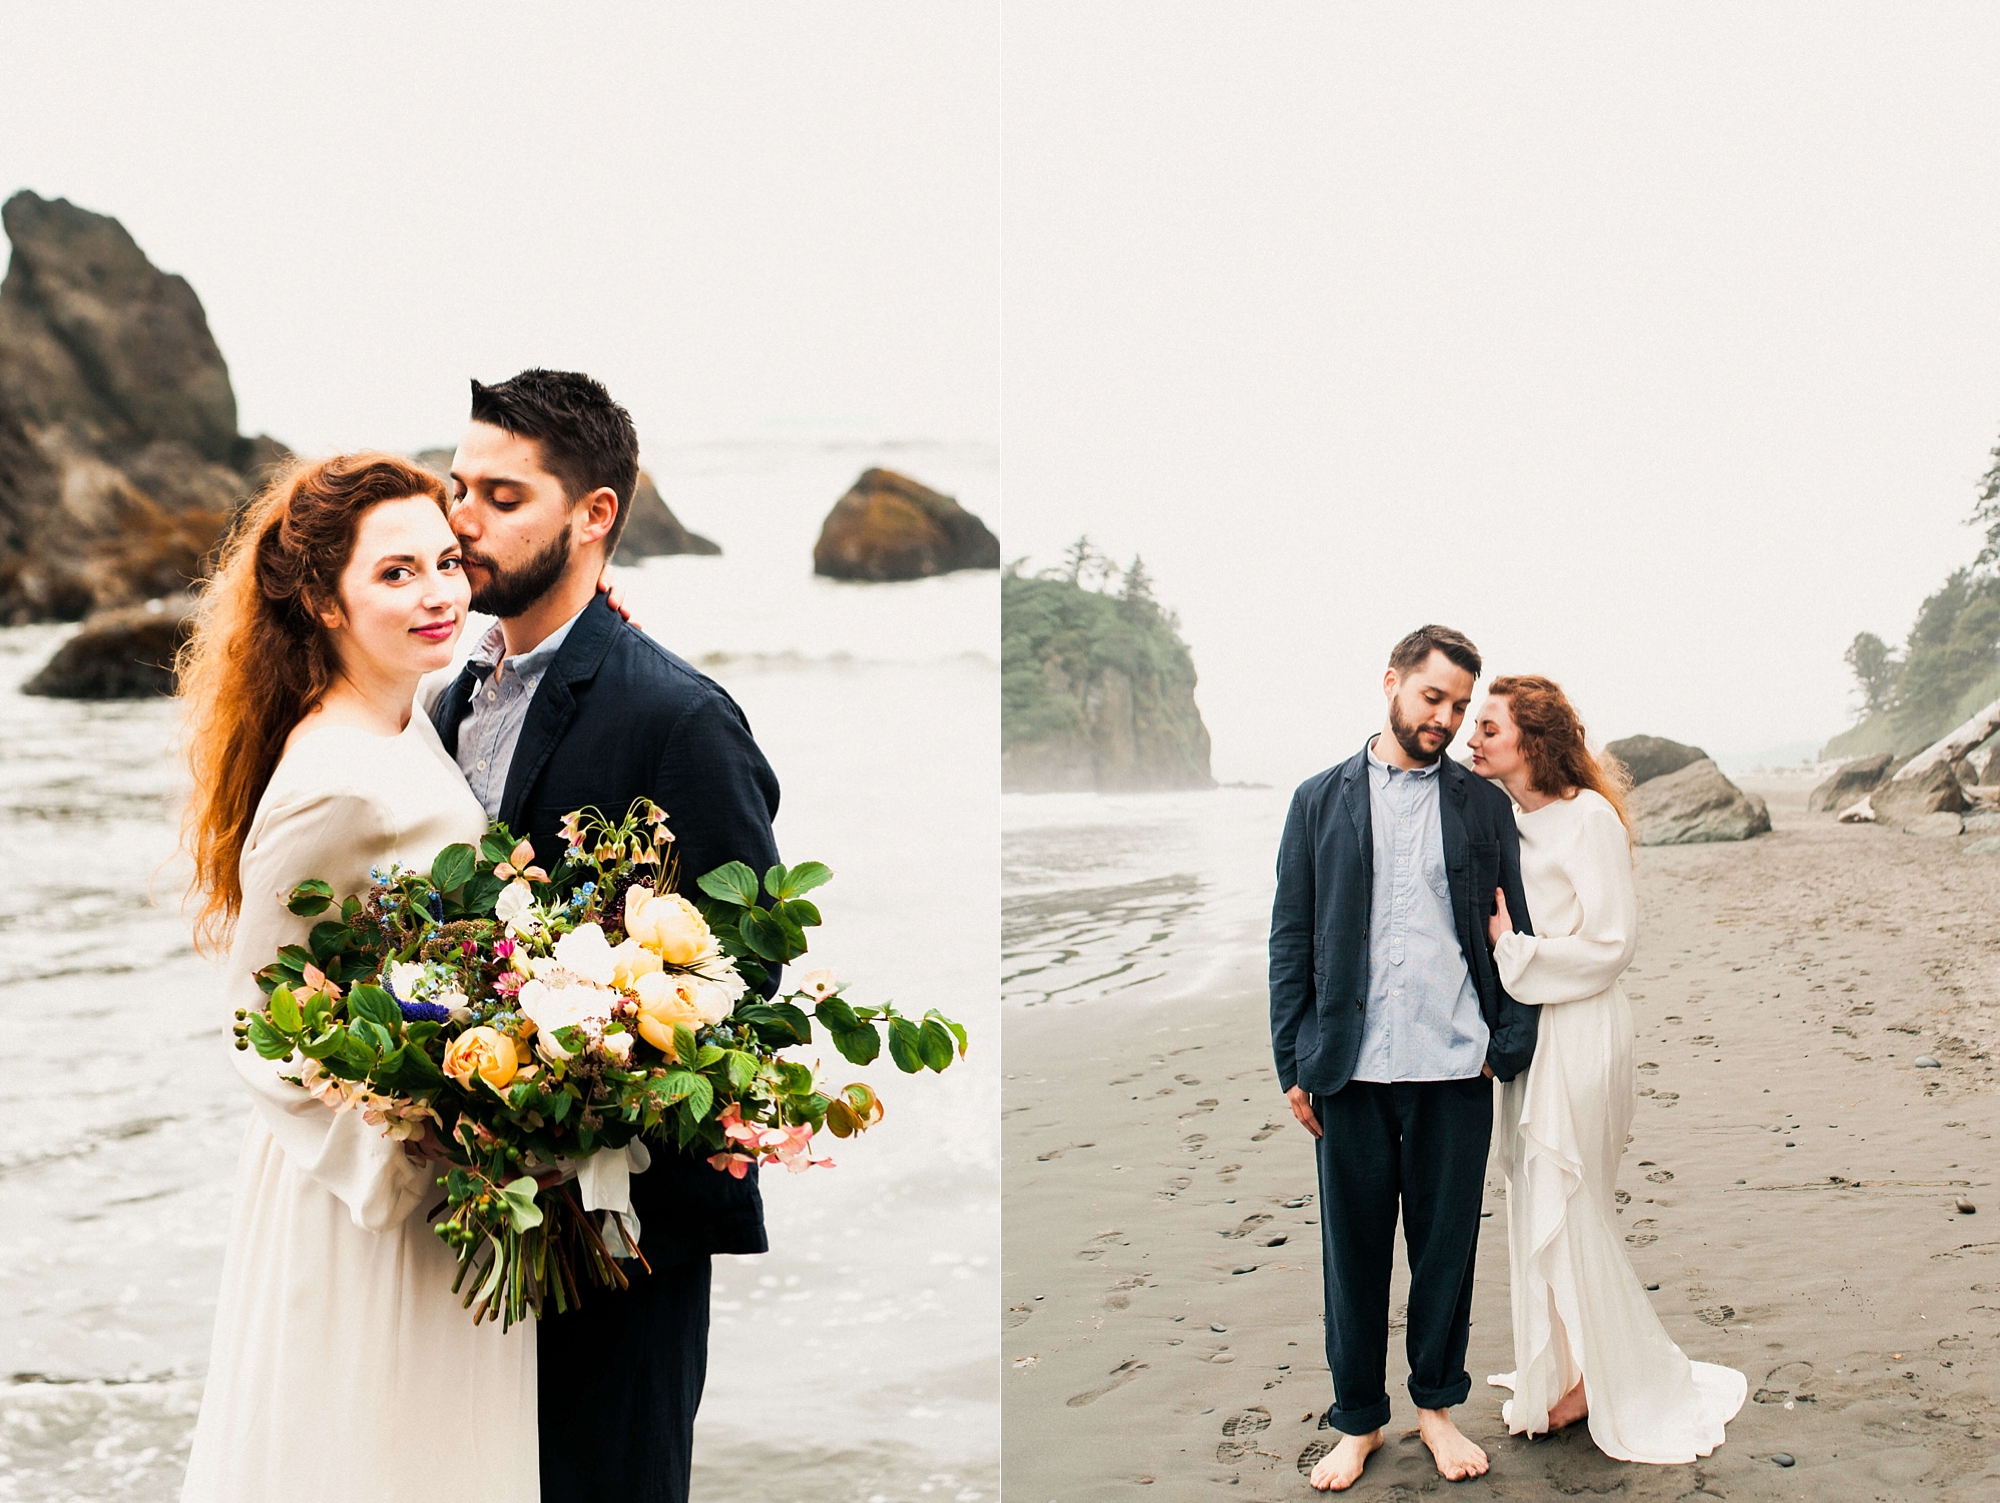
x: 859, y: 1358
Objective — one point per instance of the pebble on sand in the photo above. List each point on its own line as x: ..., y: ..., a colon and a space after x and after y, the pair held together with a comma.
x: 1784, y: 1458
x: 1965, y: 1207
x: 1925, y: 1062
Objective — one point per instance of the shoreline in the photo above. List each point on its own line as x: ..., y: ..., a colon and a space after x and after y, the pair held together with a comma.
x: 1157, y: 1189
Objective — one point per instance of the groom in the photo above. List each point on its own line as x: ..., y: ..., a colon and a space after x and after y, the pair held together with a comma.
x: 1387, y: 1017
x: 564, y: 705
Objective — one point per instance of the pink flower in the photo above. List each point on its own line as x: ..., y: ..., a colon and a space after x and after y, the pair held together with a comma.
x: 736, y: 1164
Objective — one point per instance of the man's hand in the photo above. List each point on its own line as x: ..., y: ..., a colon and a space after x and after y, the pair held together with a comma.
x: 1302, y: 1108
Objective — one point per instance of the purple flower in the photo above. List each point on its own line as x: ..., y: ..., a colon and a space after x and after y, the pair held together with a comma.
x: 424, y: 1012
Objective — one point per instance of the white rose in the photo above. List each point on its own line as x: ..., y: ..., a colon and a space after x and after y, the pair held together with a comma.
x: 552, y: 1007
x: 405, y: 977
x: 515, y: 907
x: 711, y: 1003
x: 585, y: 952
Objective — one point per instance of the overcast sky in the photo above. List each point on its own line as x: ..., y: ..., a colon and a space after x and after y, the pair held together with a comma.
x: 1657, y: 348
x: 747, y: 220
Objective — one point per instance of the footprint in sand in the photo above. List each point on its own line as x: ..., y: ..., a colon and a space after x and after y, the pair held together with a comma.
x: 1666, y: 1098
x: 1249, y: 1422
x: 1187, y: 1080
x: 1120, y: 1375
x: 1248, y: 1225
x: 1299, y: 1204
x: 1716, y: 1315
x: 1660, y: 1176
x: 1265, y: 1131
x: 1119, y: 1298
x: 1097, y: 1246
x: 1056, y: 1153
x: 1017, y: 1315
x: 1310, y: 1456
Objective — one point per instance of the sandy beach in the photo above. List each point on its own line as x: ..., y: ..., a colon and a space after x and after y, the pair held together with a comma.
x: 1792, y: 1178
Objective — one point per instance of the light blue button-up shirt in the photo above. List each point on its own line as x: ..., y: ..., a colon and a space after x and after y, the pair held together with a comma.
x: 1422, y: 1020
x: 499, y: 703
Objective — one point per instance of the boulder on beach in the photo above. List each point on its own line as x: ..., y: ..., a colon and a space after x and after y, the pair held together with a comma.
x: 889, y: 527
x: 120, y: 463
x: 651, y: 529
x: 1900, y: 803
x: 1650, y: 757
x: 1694, y: 805
x: 1849, y: 782
x: 122, y: 654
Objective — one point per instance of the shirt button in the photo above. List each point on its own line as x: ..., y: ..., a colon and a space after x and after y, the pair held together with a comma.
x: 490, y: 695
x: 482, y: 766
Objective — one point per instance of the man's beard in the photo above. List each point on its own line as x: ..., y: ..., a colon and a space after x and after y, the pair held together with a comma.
x: 1407, y: 735
x: 508, y: 595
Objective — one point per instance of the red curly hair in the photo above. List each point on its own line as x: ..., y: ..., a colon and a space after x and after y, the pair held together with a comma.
x: 1554, y: 745
x: 259, y: 660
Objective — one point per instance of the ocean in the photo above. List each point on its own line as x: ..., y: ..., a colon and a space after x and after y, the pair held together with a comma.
x: 860, y: 1358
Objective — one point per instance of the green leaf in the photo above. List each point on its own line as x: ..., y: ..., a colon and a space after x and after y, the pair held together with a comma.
x: 701, y: 1098
x: 857, y: 1046
x: 378, y: 1037
x: 559, y: 1109
x: 796, y: 1079
x: 906, y: 1046
x: 310, y: 897
x: 742, y: 1069
x: 837, y: 1015
x: 284, y: 1010
x: 764, y: 935
x: 266, y: 1040
x: 957, y: 1029
x: 795, y: 937
x: 481, y: 893
x: 497, y: 844
x: 804, y: 878
x: 733, y: 883
x: 454, y: 864
x: 799, y: 912
x: 294, y: 958
x: 708, y: 1056
x: 777, y: 1016
x: 517, y: 1197
x: 774, y: 880
x: 684, y: 1046
x: 329, y: 937
x: 376, y: 1005
x: 935, y: 1044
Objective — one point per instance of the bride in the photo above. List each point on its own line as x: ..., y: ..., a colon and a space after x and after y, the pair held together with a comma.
x: 1586, y: 1340
x: 342, y: 1366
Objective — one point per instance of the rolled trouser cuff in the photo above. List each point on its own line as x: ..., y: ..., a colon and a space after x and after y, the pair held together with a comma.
x: 1363, y: 1421
x: 1441, y: 1398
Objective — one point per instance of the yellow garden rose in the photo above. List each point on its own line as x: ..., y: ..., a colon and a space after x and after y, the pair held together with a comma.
x: 485, y: 1052
x: 665, y: 1002
x: 668, y: 925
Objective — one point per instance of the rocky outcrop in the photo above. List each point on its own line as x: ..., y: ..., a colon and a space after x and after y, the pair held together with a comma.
x: 120, y: 463
x: 889, y: 527
x: 1849, y: 782
x: 1097, y: 694
x: 1901, y: 803
x: 121, y: 654
x: 651, y: 529
x: 1694, y: 805
x: 1650, y: 757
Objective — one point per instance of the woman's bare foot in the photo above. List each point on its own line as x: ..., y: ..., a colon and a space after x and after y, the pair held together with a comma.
x: 1570, y: 1408
x: 1340, y: 1468
x: 1457, y: 1458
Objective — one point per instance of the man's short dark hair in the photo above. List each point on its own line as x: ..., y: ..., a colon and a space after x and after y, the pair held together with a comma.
x: 587, y: 440
x: 1415, y: 650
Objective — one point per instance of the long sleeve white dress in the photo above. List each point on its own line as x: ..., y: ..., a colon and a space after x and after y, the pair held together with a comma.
x: 343, y: 1366
x: 1579, y: 1309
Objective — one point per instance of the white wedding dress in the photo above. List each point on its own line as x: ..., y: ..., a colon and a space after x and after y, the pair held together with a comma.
x: 342, y: 1365
x: 1579, y: 1310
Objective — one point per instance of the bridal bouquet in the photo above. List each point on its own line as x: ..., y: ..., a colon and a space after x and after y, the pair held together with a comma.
x: 514, y: 1022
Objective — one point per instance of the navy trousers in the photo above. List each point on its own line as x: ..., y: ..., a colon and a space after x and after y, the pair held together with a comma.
x: 1423, y: 1144
x: 620, y: 1380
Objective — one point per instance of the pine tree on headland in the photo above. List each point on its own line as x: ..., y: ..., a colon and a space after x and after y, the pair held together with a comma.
x: 1876, y: 672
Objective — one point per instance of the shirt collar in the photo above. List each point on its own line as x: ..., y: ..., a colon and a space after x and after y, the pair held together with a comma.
x: 1420, y: 772
x: 487, y: 655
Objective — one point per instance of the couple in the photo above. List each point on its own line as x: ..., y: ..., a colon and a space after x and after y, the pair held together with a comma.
x: 343, y: 1366
x: 1405, y: 972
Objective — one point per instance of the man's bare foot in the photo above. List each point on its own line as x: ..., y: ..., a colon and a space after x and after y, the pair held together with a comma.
x: 1340, y: 1468
x: 1570, y: 1408
x: 1457, y: 1458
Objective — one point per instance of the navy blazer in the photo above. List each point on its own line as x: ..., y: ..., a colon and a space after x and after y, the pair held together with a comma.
x: 617, y: 717
x: 1319, y: 922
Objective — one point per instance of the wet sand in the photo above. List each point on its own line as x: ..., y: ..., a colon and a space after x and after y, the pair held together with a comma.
x: 1791, y: 1182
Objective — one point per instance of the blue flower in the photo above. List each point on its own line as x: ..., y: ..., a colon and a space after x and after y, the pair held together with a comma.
x: 424, y: 1012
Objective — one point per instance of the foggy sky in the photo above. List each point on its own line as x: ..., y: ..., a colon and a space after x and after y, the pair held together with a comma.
x: 1657, y: 348
x: 779, y: 218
